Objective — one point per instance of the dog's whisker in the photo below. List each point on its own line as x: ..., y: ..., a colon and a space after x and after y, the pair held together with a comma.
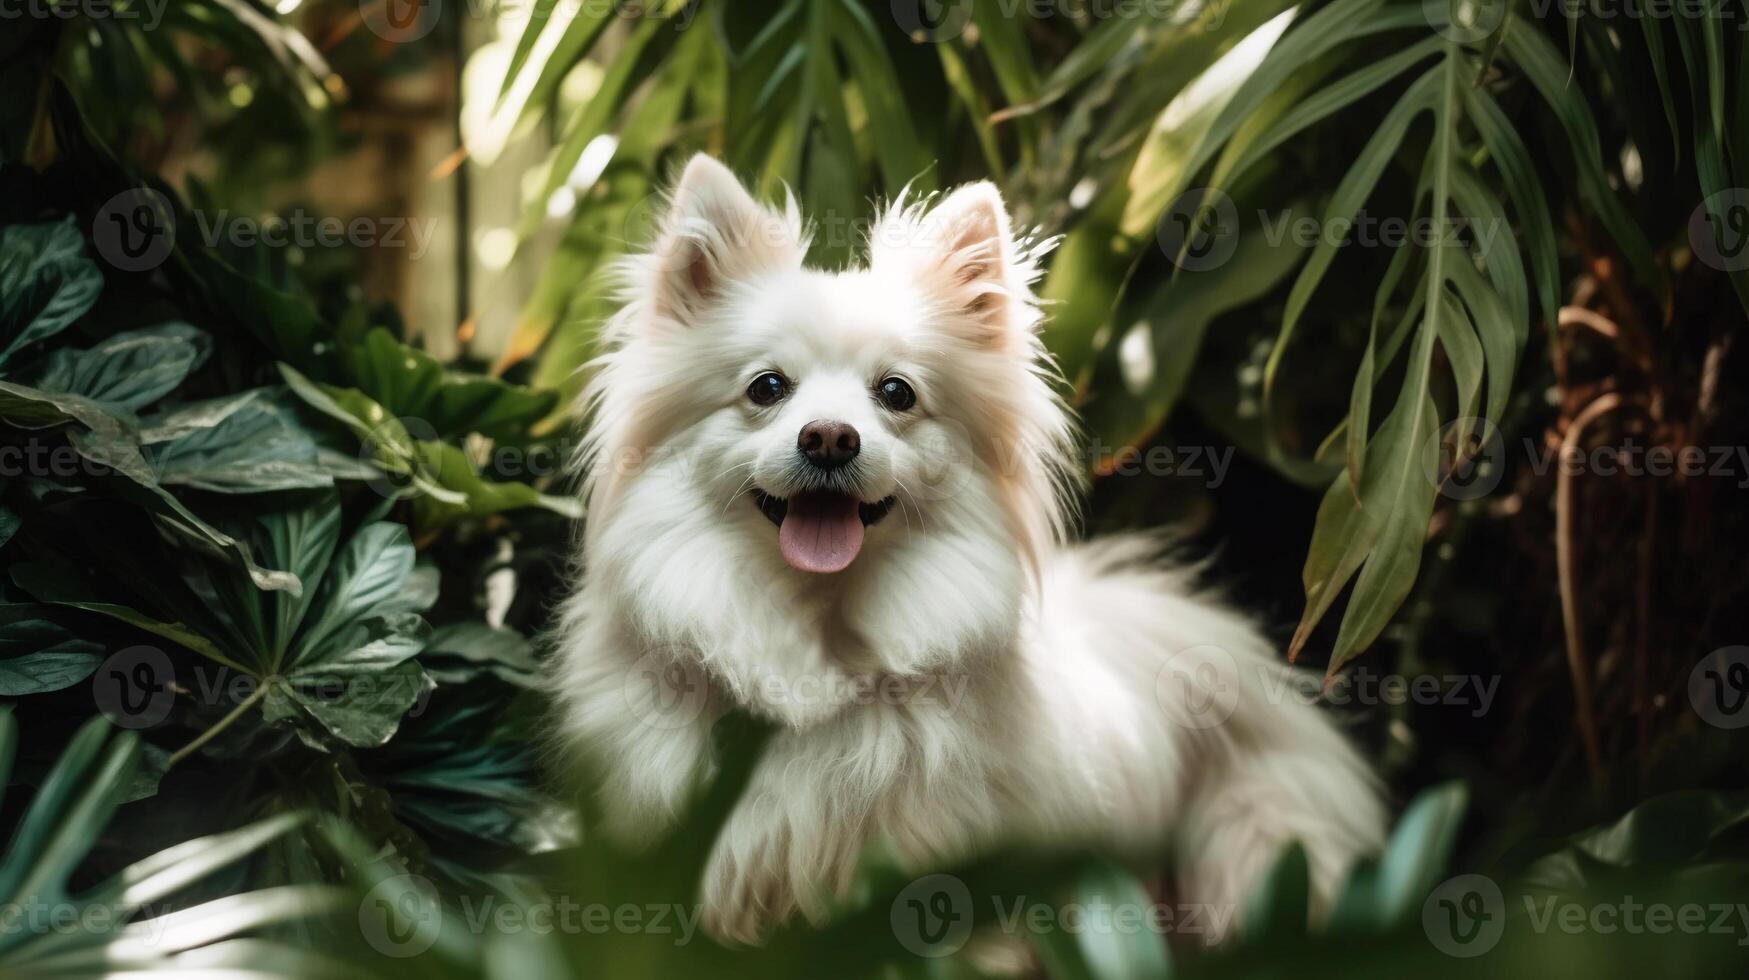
x: 743, y: 488
x: 905, y: 495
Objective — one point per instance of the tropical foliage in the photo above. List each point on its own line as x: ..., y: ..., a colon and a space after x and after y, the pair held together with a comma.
x: 242, y: 515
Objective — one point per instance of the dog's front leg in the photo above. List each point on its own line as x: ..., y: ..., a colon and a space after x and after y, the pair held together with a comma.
x: 788, y: 847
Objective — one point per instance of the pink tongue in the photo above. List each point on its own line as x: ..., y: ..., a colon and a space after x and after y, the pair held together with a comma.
x: 821, y: 532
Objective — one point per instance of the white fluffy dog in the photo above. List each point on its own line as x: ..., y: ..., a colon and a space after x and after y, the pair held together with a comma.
x: 946, y: 673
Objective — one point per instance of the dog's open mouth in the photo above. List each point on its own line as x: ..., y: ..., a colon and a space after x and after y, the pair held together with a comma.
x: 820, y: 531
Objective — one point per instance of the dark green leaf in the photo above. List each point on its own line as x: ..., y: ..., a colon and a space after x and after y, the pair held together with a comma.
x: 46, y: 282
x: 130, y: 370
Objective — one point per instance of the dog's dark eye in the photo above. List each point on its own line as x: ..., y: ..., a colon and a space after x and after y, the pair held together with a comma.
x: 896, y: 394
x: 767, y: 388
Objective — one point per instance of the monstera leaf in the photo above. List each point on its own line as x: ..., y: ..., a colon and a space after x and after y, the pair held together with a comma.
x: 124, y: 927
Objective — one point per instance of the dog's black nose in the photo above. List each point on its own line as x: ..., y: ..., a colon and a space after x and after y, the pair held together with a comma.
x: 829, y: 445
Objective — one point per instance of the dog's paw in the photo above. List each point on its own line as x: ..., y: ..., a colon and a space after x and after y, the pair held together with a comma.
x: 743, y: 897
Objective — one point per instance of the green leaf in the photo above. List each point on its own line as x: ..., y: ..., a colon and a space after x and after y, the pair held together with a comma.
x: 1350, y: 196
x: 412, y: 384
x: 1549, y: 73
x: 245, y: 443
x: 1418, y: 853
x: 362, y: 697
x: 341, y: 656
x: 381, y: 435
x: 128, y: 371
x: 1105, y: 953
x: 1327, y: 101
x: 46, y: 282
x: 902, y: 159
x: 1216, y: 67
x: 1386, y: 894
x: 1146, y: 367
x: 1100, y: 46
x: 366, y: 581
x: 65, y: 817
x: 286, y: 325
x: 169, y: 871
x: 1359, y: 421
x: 1653, y: 31
x: 1518, y: 173
x: 113, y: 443
x: 570, y: 38
x: 598, y: 113
x: 468, y: 493
x: 1280, y: 908
x: 303, y: 539
x: 52, y: 584
x: 1386, y: 532
x: 1670, y: 831
x: 460, y: 652
x: 38, y: 656
x: 1304, y: 43
x: 1709, y: 140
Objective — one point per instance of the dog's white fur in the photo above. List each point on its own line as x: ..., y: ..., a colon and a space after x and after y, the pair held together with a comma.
x: 969, y: 680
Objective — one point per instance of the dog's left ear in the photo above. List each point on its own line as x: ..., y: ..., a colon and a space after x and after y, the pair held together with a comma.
x: 962, y: 249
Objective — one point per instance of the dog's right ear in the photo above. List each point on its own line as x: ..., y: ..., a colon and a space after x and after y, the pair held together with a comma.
x: 715, y: 234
